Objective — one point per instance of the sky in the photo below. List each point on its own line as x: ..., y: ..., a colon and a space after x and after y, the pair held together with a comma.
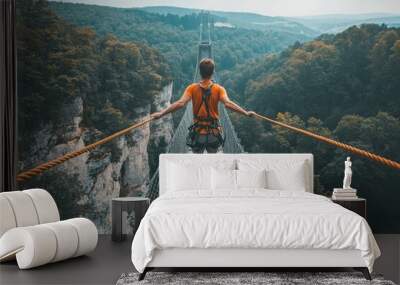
x: 267, y: 7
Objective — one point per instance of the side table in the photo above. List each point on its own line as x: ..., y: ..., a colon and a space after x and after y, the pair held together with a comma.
x: 357, y: 205
x: 138, y: 205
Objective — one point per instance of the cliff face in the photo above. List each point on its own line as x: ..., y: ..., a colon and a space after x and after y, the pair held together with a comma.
x: 84, y: 186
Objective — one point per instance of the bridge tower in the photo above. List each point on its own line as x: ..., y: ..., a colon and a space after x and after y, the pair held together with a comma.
x: 205, y: 44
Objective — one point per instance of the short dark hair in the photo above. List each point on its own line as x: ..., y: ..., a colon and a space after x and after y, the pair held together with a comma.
x: 206, y: 67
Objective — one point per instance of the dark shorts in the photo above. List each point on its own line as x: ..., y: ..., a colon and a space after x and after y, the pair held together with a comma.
x: 206, y: 142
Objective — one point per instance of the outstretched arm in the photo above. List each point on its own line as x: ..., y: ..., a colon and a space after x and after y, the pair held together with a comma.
x: 235, y: 107
x: 173, y: 107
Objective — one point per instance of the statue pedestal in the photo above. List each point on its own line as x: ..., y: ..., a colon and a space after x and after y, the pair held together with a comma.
x: 344, y: 190
x: 344, y: 194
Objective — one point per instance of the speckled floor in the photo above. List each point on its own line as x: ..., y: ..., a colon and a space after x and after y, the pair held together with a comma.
x: 106, y: 264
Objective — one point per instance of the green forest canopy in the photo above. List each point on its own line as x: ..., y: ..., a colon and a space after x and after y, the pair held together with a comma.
x: 176, y: 37
x: 356, y: 71
x: 58, y: 62
x: 346, y: 87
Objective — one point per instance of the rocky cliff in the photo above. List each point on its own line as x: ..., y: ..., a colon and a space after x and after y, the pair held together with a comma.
x: 84, y: 186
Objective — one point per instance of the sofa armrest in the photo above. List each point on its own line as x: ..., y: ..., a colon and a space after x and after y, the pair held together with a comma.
x: 41, y: 244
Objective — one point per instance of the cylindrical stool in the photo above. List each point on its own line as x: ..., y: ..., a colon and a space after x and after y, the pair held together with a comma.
x: 138, y: 205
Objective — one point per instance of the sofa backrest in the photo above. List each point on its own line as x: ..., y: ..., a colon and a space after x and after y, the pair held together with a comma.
x: 26, y: 208
x: 275, y: 162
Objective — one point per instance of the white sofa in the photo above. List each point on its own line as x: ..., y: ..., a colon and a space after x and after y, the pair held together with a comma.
x: 31, y: 231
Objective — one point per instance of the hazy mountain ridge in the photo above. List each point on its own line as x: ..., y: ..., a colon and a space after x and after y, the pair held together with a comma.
x: 336, y: 23
x: 307, y: 25
x: 241, y: 19
x: 311, y: 26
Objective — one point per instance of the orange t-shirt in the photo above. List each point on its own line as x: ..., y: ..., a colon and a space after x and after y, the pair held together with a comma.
x: 195, y: 93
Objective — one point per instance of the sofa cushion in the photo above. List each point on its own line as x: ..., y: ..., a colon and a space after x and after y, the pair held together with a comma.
x: 67, y: 240
x: 87, y: 235
x: 41, y: 244
x: 38, y: 244
x: 23, y: 208
x: 7, y: 220
x: 45, y: 205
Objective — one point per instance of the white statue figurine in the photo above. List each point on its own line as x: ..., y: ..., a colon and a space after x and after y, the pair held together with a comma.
x: 347, y: 174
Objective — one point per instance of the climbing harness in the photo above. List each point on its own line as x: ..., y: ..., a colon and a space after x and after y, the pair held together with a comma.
x: 209, y: 124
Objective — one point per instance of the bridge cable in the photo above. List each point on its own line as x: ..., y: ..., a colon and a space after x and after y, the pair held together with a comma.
x: 45, y: 166
x: 335, y: 143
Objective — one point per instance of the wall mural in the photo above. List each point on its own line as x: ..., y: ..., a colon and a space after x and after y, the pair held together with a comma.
x: 87, y: 71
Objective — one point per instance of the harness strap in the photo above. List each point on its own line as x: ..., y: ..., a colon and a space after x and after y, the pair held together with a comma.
x: 206, y: 92
x: 214, y: 123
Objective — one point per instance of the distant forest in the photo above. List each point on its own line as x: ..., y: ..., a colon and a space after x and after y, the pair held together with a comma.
x: 344, y: 86
x: 176, y: 37
x: 58, y: 62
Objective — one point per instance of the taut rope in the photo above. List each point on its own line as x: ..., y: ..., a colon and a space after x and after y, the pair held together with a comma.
x: 45, y: 166
x: 346, y: 147
x: 50, y: 164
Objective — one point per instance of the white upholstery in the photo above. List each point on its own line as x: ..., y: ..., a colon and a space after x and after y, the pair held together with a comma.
x: 26, y: 208
x: 7, y: 219
x: 31, y: 231
x: 45, y: 205
x: 23, y: 209
x: 277, y: 163
x: 87, y: 234
x: 65, y: 235
x: 38, y: 242
x: 255, y: 257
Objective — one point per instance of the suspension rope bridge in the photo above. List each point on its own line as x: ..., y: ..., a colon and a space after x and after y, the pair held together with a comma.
x: 178, y: 141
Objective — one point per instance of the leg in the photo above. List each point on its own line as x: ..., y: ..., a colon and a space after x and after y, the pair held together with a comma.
x: 212, y: 144
x: 116, y: 209
x: 212, y: 149
x: 139, y: 209
x: 199, y: 146
x: 143, y: 274
x: 364, y: 271
x: 197, y: 149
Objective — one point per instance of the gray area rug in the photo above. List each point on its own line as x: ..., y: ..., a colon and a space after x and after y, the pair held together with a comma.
x: 233, y: 278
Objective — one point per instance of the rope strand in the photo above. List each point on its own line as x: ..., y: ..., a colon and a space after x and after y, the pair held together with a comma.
x: 341, y: 145
x: 45, y: 166
x: 52, y: 163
